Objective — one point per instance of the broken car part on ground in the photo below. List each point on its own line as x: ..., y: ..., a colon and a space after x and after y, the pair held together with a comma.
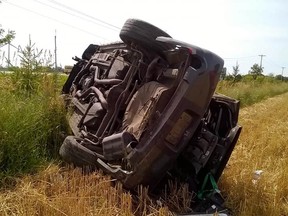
x: 145, y: 109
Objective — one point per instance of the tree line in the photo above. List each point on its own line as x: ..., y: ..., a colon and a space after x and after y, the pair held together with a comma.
x: 255, y: 73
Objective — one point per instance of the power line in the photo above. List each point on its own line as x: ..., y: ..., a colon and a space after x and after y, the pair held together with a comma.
x: 267, y: 59
x: 240, y: 57
x: 271, y: 62
x: 89, y: 20
x: 83, y: 14
x: 56, y: 20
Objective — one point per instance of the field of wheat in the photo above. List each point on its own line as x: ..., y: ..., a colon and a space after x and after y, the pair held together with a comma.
x: 254, y: 182
x: 262, y: 147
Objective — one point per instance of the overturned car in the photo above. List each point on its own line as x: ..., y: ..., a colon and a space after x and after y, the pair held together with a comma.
x: 145, y: 108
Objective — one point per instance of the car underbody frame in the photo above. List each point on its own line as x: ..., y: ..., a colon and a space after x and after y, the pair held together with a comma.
x: 146, y: 109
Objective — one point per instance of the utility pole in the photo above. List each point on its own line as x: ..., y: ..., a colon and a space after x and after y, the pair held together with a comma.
x: 55, y: 43
x: 261, y: 57
x: 282, y: 73
x: 8, y: 63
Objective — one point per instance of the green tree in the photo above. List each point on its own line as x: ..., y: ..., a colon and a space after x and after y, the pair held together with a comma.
x: 223, y: 73
x: 6, y: 38
x: 34, y: 59
x: 30, y: 57
x: 255, y: 71
x: 33, y: 63
x: 236, y: 76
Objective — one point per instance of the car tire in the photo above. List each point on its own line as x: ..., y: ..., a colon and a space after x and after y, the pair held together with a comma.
x: 143, y: 34
x: 72, y: 152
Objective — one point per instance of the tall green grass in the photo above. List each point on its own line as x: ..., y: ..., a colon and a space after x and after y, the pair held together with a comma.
x: 32, y: 123
x: 252, y: 92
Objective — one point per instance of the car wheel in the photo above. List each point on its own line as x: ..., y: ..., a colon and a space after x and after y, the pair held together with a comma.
x: 143, y: 34
x: 72, y: 152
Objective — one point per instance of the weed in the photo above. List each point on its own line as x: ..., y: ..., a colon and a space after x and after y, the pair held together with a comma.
x: 31, y: 128
x: 253, y: 91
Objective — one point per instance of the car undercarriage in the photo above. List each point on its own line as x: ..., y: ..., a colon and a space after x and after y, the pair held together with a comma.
x: 146, y: 109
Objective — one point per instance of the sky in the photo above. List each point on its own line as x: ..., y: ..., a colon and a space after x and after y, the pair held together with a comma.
x: 237, y: 30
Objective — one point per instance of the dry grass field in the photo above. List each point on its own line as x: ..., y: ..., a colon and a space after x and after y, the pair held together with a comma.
x: 56, y: 190
x: 263, y: 146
